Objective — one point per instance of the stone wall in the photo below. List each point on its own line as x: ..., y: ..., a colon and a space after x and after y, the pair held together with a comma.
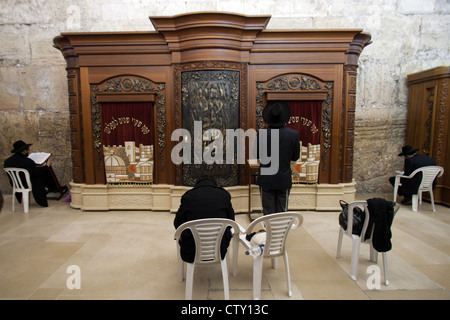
x: 408, y: 36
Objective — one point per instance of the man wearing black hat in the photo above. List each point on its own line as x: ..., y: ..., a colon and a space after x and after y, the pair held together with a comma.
x: 40, y: 176
x: 275, y: 188
x: 413, y: 161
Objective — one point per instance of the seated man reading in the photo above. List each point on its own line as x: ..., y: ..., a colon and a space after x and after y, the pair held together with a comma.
x: 412, y: 162
x: 41, y: 179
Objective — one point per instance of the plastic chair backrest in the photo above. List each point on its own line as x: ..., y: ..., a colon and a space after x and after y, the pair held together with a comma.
x: 277, y: 226
x: 363, y: 203
x: 428, y: 175
x: 351, y: 206
x: 16, y: 175
x: 207, y: 235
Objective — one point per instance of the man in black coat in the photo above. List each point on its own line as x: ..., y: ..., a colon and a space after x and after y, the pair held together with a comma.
x: 275, y: 187
x: 412, y: 162
x: 40, y: 176
x: 205, y: 200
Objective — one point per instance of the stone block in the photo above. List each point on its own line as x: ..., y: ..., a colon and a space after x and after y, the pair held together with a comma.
x: 41, y: 47
x: 15, y: 126
x: 44, y: 88
x: 15, y: 45
x: 416, y: 6
x: 9, y: 90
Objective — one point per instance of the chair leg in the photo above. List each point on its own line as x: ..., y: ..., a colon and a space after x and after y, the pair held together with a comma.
x: 13, y: 199
x: 415, y: 201
x: 396, y: 185
x: 338, y: 253
x: 432, y: 201
x: 257, y: 275
x: 355, y: 258
x: 235, y: 256
x: 288, y: 274
x: 226, y: 290
x: 274, y: 263
x: 385, y: 268
x: 25, y: 201
x: 180, y: 267
x: 373, y: 254
x: 189, y: 280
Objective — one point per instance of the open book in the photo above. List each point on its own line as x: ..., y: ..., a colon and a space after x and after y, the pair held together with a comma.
x: 39, y: 157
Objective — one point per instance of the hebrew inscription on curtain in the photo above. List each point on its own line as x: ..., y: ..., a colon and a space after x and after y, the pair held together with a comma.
x: 306, y: 120
x: 128, y: 139
x: 211, y: 97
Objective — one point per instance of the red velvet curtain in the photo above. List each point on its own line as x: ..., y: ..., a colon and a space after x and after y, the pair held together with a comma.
x: 306, y: 118
x: 127, y: 122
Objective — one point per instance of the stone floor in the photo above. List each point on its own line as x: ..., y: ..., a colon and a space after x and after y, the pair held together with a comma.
x: 131, y: 255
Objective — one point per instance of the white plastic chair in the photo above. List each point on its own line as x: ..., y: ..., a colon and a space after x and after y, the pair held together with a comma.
x: 426, y: 185
x: 208, y: 234
x: 15, y: 175
x: 277, y: 226
x: 358, y: 239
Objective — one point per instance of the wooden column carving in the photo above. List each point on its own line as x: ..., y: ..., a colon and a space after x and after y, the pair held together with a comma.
x: 349, y: 104
x: 73, y: 85
x: 348, y: 125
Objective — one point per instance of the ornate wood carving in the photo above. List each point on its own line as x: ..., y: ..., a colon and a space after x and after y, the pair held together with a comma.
x: 211, y: 41
x: 212, y: 97
x: 295, y: 83
x: 73, y: 88
x: 442, y: 123
x: 428, y: 126
x: 73, y: 79
x: 210, y: 65
x: 348, y: 125
x: 128, y: 84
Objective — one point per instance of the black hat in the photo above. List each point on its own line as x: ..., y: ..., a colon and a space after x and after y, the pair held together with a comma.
x: 407, y: 150
x: 276, y: 113
x: 19, y: 146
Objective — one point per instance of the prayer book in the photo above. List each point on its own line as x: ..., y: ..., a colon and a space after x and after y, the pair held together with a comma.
x: 39, y: 157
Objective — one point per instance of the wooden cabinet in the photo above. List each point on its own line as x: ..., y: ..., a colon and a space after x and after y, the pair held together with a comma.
x: 428, y: 122
x: 289, y: 65
x: 217, y: 61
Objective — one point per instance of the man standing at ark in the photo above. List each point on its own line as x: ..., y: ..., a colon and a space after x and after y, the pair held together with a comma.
x: 275, y: 188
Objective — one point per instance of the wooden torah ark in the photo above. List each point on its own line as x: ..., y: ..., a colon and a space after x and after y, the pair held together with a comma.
x: 428, y: 127
x: 291, y: 65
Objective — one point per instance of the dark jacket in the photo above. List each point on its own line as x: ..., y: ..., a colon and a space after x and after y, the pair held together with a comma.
x: 410, y: 186
x: 205, y: 200
x: 380, y: 220
x: 39, y: 176
x: 289, y: 150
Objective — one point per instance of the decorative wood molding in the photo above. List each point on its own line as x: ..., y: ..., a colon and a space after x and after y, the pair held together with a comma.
x: 211, y: 41
x: 132, y: 86
x: 210, y: 65
x: 428, y: 125
x: 295, y: 84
